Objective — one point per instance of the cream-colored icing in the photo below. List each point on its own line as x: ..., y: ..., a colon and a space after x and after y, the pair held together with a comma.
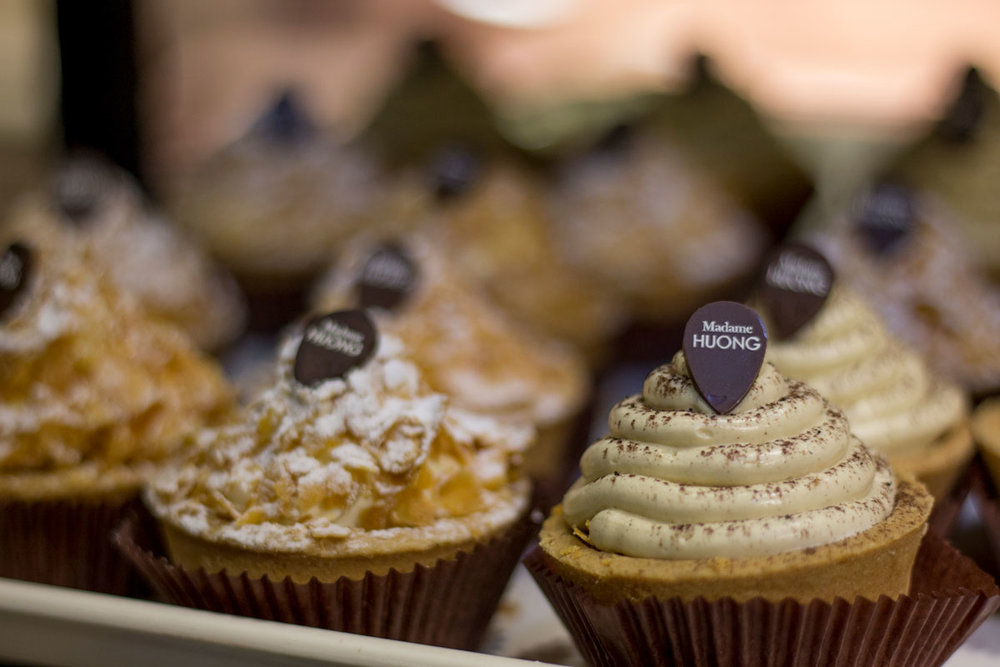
x: 894, y: 403
x: 674, y: 480
x: 376, y: 450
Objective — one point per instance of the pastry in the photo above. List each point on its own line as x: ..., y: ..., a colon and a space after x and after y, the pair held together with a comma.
x: 895, y: 404
x: 899, y: 249
x: 97, y: 205
x: 351, y: 469
x: 467, y: 347
x: 275, y: 204
x: 659, y: 233
x: 95, y: 394
x: 495, y: 228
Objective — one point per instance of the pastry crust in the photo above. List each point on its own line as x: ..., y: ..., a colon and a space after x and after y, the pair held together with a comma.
x: 875, y: 562
x: 939, y: 466
x: 986, y: 431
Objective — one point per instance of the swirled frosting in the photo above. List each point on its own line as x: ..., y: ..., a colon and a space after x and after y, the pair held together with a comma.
x: 675, y: 480
x: 894, y: 403
x: 87, y: 378
x: 467, y: 347
x: 377, y: 450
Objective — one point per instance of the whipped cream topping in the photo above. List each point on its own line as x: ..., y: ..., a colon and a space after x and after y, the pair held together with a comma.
x: 467, y: 347
x: 86, y: 377
x: 674, y: 480
x: 374, y: 451
x: 894, y: 403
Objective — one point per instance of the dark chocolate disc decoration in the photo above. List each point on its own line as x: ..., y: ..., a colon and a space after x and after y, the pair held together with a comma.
x: 15, y: 272
x: 388, y: 277
x: 285, y: 120
x: 334, y: 344
x: 885, y: 217
x: 796, y: 283
x: 81, y: 186
x: 454, y: 171
x: 724, y: 344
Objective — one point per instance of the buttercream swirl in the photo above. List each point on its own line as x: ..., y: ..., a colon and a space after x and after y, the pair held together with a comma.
x: 376, y: 450
x: 675, y: 480
x: 894, y: 403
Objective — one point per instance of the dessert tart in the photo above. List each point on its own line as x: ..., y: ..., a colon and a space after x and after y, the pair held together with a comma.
x: 465, y: 345
x: 497, y: 231
x: 900, y: 249
x: 348, y: 474
x: 775, y: 499
x: 275, y: 204
x: 95, y: 394
x: 731, y: 517
x: 664, y: 237
x: 98, y: 206
x: 894, y: 402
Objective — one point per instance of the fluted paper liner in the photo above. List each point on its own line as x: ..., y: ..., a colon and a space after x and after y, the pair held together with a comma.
x: 949, y: 598
x: 67, y: 543
x: 448, y: 604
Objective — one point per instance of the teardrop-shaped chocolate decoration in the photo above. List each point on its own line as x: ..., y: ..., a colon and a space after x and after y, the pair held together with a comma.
x: 454, y: 171
x: 885, y: 216
x: 388, y: 277
x: 724, y: 344
x: 81, y: 186
x: 286, y: 120
x: 15, y: 272
x: 796, y: 284
x: 334, y: 344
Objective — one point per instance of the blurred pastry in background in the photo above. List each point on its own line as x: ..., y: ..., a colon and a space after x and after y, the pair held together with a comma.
x: 92, y: 202
x: 902, y: 250
x: 495, y: 226
x: 276, y: 203
x: 959, y: 162
x: 464, y: 344
x: 95, y: 394
x: 657, y: 232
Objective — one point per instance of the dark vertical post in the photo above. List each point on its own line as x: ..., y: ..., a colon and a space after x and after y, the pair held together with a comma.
x: 98, y: 100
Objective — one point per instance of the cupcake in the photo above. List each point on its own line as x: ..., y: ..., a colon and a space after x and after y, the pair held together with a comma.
x: 731, y: 516
x: 895, y: 404
x: 95, y: 394
x: 277, y: 202
x: 466, y: 347
x: 636, y: 215
x: 348, y: 495
x: 495, y: 228
x: 96, y: 204
x: 900, y: 249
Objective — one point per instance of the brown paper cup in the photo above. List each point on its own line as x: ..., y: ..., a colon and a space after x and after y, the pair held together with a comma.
x: 448, y: 604
x: 67, y: 543
x: 949, y: 598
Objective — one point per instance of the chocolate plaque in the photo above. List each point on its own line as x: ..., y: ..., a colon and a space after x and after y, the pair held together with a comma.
x: 80, y: 188
x: 454, y: 171
x: 285, y: 120
x: 795, y: 286
x: 15, y: 272
x: 724, y: 343
x: 334, y: 344
x: 885, y: 217
x: 388, y: 277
